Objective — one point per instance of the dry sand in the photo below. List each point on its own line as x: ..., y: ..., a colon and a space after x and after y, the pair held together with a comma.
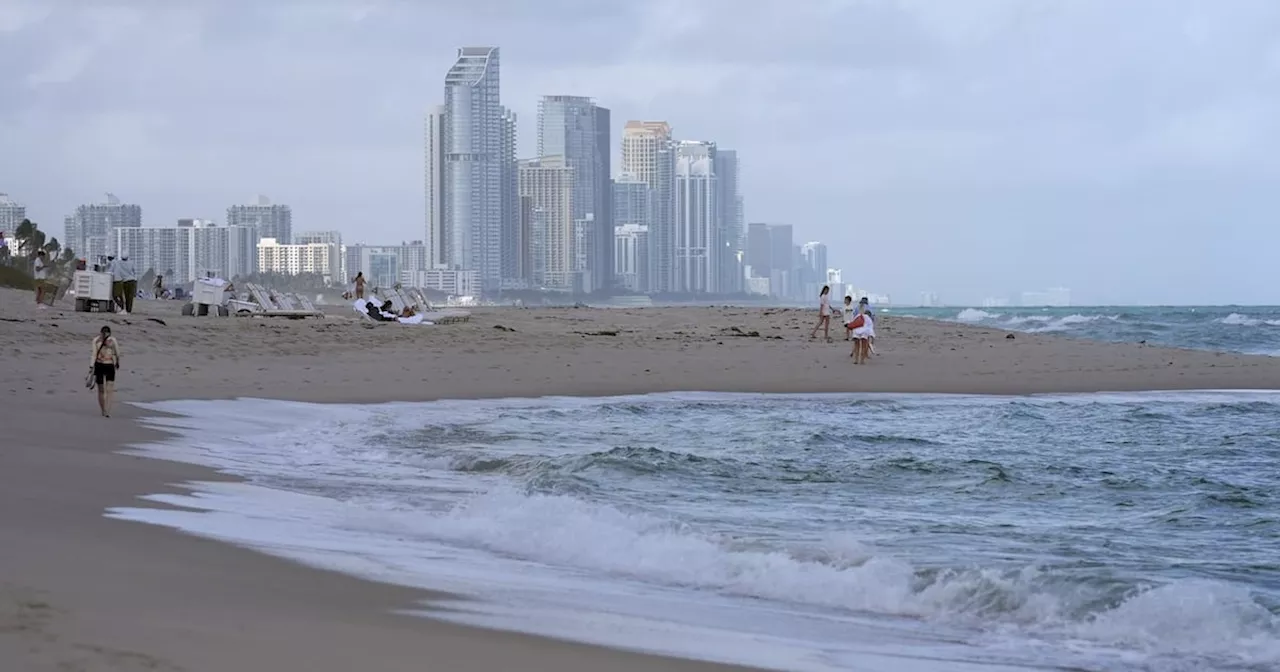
x: 82, y: 592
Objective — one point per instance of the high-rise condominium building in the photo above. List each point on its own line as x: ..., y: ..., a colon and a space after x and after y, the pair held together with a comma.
x: 814, y: 267
x: 11, y: 214
x: 648, y: 154
x: 547, y: 183
x: 772, y: 256
x: 632, y: 215
x: 90, y: 231
x: 759, y: 250
x: 195, y: 248
x: 783, y: 256
x: 698, y: 235
x: 577, y: 129
x: 732, y: 222
x: 472, y: 188
x: 267, y: 219
x: 437, y: 232
x: 510, y: 251
x: 334, y: 240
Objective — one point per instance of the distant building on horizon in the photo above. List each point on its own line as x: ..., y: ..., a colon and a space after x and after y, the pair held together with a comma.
x: 648, y: 154
x: 90, y: 230
x: 576, y: 128
x: 296, y: 259
x: 11, y: 215
x: 337, y: 264
x: 267, y: 219
x: 547, y: 182
x: 733, y: 234
x: 192, y: 248
x: 633, y: 210
x: 813, y: 268
x: 770, y: 254
x: 698, y: 234
x: 473, y: 207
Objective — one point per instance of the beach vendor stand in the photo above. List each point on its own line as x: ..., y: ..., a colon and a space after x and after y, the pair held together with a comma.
x: 93, y: 289
x: 208, y: 295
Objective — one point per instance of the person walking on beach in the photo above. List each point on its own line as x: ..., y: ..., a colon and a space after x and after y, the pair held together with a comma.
x: 157, y: 289
x: 824, y: 315
x: 40, y: 273
x: 103, y: 367
x: 117, y: 282
x: 129, y: 285
x: 359, y: 282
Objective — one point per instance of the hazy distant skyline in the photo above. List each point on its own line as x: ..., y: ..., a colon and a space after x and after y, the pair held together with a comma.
x: 1128, y: 150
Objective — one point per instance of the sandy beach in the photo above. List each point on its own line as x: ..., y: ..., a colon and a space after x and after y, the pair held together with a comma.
x: 79, y: 591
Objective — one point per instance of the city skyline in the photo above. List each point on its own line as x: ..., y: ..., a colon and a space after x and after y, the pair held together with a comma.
x: 946, y: 151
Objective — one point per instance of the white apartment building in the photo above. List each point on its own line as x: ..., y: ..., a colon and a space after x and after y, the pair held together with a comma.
x: 548, y: 184
x: 698, y: 239
x: 331, y: 238
x: 456, y: 283
x: 193, y: 249
x: 631, y: 256
x: 317, y: 258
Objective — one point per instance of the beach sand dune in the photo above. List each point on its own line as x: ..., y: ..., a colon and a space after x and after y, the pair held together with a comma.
x: 82, y: 592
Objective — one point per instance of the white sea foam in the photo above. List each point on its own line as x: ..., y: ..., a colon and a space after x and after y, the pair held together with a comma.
x: 556, y: 564
x: 1236, y: 319
x: 975, y: 315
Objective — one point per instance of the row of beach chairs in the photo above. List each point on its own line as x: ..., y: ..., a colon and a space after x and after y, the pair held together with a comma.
x: 262, y: 302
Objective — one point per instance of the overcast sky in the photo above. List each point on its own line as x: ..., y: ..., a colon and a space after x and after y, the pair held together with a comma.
x: 1127, y: 149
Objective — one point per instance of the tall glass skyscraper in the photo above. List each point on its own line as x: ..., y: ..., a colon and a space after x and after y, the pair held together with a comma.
x: 469, y: 138
x: 575, y: 128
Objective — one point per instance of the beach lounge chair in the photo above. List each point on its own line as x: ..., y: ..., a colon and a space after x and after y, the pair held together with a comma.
x: 270, y: 308
x: 419, y: 298
x: 306, y: 304
x: 384, y: 294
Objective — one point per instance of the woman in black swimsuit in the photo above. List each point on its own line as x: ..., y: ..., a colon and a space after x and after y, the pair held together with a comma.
x: 105, y: 363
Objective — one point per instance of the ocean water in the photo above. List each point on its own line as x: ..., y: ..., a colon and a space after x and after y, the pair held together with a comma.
x: 818, y: 532
x: 1249, y: 330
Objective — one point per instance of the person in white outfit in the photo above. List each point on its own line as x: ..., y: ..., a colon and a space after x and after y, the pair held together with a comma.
x: 871, y: 339
x: 824, y: 315
x: 863, y: 329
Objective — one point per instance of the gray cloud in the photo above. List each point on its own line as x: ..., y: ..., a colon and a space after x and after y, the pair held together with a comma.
x: 968, y: 148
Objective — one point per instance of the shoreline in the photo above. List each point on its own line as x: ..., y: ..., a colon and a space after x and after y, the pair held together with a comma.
x: 81, y: 589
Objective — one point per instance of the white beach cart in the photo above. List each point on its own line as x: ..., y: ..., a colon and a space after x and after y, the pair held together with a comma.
x: 92, y: 289
x: 208, y: 297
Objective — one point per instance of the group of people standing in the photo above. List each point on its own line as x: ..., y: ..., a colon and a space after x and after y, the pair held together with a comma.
x: 859, y: 324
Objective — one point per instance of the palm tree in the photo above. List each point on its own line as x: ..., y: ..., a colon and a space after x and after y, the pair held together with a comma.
x: 23, y: 234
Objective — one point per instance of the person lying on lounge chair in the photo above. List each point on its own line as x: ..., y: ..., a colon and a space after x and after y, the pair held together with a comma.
x: 377, y: 314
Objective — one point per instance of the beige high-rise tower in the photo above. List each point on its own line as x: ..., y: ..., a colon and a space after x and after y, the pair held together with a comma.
x: 547, y: 183
x: 648, y: 154
x: 641, y: 142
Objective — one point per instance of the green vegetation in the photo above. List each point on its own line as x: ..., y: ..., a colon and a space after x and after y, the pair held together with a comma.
x: 15, y: 277
x: 309, y: 283
x: 16, y: 267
